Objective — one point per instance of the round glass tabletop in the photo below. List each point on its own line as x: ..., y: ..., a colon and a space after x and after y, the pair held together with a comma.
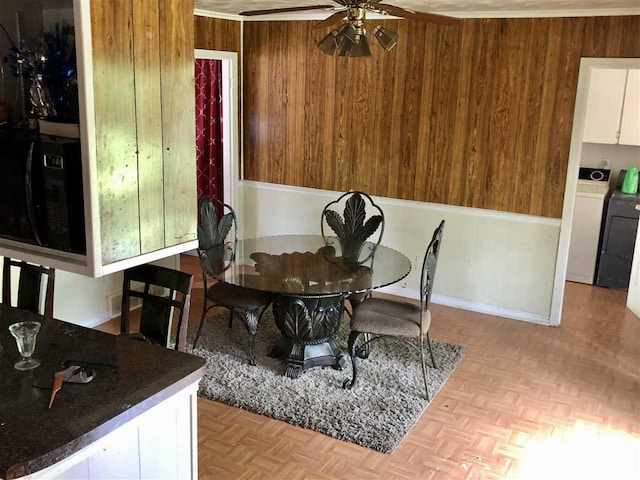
x: 307, y: 265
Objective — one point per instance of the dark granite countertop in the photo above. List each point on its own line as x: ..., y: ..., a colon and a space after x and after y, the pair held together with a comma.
x: 131, y: 377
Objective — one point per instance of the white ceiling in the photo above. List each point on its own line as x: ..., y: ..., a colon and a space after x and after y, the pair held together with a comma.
x: 463, y: 8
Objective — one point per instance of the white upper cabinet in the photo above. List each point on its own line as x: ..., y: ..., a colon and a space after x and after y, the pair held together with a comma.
x: 604, y: 105
x: 630, y: 124
x: 613, y: 107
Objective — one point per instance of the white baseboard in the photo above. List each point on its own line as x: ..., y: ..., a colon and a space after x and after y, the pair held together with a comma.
x: 574, y: 277
x: 470, y: 305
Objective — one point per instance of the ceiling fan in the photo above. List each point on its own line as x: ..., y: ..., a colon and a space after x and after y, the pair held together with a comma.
x: 351, y: 40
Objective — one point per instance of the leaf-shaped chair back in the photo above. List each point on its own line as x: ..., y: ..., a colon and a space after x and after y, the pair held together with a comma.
x: 217, y: 235
x: 353, y: 228
x: 429, y: 267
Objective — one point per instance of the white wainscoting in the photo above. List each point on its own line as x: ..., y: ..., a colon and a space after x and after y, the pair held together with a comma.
x: 491, y: 262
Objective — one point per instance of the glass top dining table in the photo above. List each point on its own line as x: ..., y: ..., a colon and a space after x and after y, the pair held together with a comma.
x: 309, y: 278
x: 309, y: 265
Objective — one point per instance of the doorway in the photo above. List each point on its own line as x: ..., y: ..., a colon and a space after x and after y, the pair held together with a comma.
x: 226, y: 68
x: 217, y: 133
x: 587, y: 65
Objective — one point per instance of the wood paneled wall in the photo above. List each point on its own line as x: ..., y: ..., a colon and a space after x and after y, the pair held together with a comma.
x: 217, y: 34
x: 478, y: 115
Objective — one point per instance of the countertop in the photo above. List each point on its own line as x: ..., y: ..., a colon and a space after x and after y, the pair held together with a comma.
x: 131, y: 377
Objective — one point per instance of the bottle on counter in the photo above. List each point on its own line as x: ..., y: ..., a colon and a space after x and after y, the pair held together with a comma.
x: 630, y: 183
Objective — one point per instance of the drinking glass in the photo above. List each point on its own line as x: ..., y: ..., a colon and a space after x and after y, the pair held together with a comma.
x: 25, y: 334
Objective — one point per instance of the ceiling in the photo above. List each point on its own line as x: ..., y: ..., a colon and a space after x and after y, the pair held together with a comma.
x: 464, y: 8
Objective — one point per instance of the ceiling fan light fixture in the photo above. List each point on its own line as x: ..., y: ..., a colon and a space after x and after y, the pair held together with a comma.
x: 362, y: 48
x: 386, y: 38
x: 346, y: 41
x: 346, y: 38
x: 329, y: 43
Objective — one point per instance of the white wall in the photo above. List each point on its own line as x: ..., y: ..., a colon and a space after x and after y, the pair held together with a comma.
x: 492, y: 262
x: 84, y: 300
x: 620, y: 157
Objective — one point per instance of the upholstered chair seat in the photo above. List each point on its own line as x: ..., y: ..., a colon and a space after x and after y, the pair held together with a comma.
x: 379, y: 316
x: 233, y: 296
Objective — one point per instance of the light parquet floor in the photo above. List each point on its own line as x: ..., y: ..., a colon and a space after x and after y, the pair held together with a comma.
x: 527, y: 402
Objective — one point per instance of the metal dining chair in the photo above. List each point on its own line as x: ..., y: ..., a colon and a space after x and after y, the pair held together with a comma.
x: 218, y: 238
x: 381, y: 318
x: 30, y: 283
x: 353, y: 230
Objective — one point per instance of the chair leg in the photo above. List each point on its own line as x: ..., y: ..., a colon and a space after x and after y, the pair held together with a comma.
x: 424, y: 366
x: 353, y: 337
x: 252, y: 355
x: 204, y: 312
x: 364, y: 352
x: 433, y: 360
x: 251, y: 320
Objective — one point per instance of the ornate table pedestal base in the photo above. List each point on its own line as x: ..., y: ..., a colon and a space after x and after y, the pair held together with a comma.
x: 308, y: 325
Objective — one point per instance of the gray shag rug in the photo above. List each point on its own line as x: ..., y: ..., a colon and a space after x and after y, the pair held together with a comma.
x: 377, y: 413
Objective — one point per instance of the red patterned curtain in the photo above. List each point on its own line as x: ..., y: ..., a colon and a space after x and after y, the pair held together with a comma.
x: 208, y: 76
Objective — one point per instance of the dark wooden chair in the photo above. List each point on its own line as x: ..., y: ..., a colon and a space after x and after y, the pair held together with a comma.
x: 30, y: 283
x: 358, y: 236
x: 218, y: 238
x: 157, y: 307
x: 382, y: 318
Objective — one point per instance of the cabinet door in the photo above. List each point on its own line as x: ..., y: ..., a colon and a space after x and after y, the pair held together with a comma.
x: 145, y: 125
x: 115, y: 129
x: 178, y: 121
x: 604, y: 105
x: 630, y: 125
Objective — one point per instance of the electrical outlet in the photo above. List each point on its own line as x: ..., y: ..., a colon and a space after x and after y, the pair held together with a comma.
x: 605, y: 163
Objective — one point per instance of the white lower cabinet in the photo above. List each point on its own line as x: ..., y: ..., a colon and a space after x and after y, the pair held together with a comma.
x: 585, y: 233
x: 160, y: 443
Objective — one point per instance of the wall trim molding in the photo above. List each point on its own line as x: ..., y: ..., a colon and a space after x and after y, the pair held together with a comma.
x: 469, y: 305
x: 593, y: 12
x: 585, y: 12
x: 198, y: 12
x: 478, y: 307
x: 478, y: 212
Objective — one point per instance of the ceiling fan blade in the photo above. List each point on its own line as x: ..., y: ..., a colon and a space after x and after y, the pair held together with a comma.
x: 331, y: 19
x: 411, y: 15
x: 251, y: 13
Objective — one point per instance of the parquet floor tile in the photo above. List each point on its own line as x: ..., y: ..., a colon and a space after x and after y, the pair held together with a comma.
x: 528, y: 402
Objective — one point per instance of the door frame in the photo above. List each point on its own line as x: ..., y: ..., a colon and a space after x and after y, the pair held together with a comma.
x: 571, y: 185
x: 230, y: 129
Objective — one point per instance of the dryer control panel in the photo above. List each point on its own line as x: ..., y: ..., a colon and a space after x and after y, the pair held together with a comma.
x: 594, y: 174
